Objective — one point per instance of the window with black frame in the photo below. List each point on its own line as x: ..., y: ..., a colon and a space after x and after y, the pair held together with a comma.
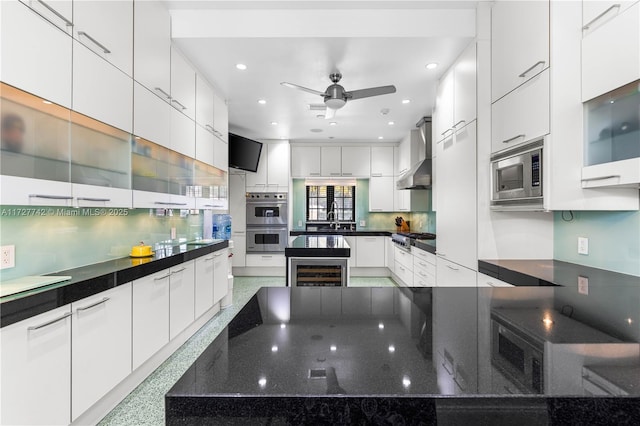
x: 320, y: 200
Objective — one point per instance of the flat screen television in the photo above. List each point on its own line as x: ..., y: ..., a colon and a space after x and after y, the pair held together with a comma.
x: 244, y: 153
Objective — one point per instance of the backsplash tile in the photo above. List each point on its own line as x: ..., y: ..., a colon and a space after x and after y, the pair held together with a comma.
x: 60, y: 239
x: 614, y: 240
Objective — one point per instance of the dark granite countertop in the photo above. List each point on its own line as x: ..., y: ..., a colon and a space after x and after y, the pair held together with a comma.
x: 370, y: 355
x: 426, y: 245
x: 344, y: 232
x: 96, y: 278
x: 318, y: 246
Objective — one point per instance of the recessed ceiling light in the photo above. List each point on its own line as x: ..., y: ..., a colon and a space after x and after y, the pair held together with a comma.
x: 380, y: 137
x: 274, y: 123
x: 333, y: 123
x: 406, y: 101
x: 431, y: 66
x: 316, y: 130
x: 262, y: 101
x: 241, y: 67
x: 391, y: 123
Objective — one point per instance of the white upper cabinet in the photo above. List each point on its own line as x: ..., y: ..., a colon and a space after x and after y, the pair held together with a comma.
x: 100, y: 90
x: 331, y: 161
x: 220, y: 154
x: 36, y: 56
x: 183, y: 134
x: 381, y: 161
x: 273, y: 169
x: 58, y: 12
x: 94, y: 23
x: 522, y: 115
x: 152, y: 47
x: 519, y: 43
x: 204, y: 103
x: 456, y: 96
x: 305, y: 161
x: 151, y: 116
x: 381, y: 193
x: 183, y: 84
x: 220, y: 117
x: 356, y: 161
x: 204, y: 145
x: 610, y: 47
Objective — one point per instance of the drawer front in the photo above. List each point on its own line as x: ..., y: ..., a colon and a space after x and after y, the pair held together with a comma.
x: 404, y: 274
x: 487, y: 281
x: 453, y: 275
x: 429, y: 268
x: 265, y: 260
x: 424, y: 256
x: 404, y: 258
x: 422, y: 279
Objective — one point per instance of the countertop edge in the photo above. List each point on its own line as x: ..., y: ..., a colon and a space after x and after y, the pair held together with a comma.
x: 37, y: 303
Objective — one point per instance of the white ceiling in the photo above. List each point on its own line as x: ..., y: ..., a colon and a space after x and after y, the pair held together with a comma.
x: 370, y: 43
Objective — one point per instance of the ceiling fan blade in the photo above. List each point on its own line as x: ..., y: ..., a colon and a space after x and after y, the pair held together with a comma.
x: 304, y: 89
x: 329, y: 113
x: 372, y: 91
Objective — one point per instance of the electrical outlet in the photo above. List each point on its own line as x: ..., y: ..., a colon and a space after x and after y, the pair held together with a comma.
x: 173, y: 233
x: 8, y: 257
x: 363, y: 223
x: 583, y: 245
x: 583, y: 285
x: 299, y: 224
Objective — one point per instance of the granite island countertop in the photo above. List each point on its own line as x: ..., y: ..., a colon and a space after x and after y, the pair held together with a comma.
x: 318, y: 246
x: 352, y: 355
x: 95, y: 278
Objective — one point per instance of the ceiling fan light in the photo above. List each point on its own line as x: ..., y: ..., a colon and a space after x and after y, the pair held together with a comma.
x: 335, y: 103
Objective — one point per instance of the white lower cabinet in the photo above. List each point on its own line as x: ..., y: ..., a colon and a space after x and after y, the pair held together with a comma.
x: 403, y: 266
x: 150, y: 315
x: 101, y: 346
x: 424, y: 268
x: 204, y: 284
x: 36, y: 369
x: 370, y: 252
x: 220, y: 275
x: 390, y: 259
x: 450, y: 274
x: 239, y: 259
x: 265, y: 260
x: 353, y: 259
x: 181, y: 297
x: 487, y: 281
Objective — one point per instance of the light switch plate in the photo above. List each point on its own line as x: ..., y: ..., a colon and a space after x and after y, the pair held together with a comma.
x: 583, y: 285
x: 583, y: 245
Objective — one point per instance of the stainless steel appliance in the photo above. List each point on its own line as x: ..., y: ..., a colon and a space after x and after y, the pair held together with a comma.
x: 419, y: 175
x: 318, y: 272
x: 517, y: 356
x: 404, y: 240
x: 516, y: 178
x: 266, y: 239
x: 267, y: 208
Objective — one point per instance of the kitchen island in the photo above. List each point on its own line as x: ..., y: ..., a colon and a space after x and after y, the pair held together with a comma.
x: 318, y: 260
x: 341, y: 355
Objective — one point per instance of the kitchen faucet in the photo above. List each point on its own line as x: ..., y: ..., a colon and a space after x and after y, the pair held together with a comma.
x: 334, y: 211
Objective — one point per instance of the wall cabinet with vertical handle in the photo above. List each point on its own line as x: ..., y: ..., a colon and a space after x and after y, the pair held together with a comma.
x: 36, y: 369
x: 94, y: 24
x: 183, y: 84
x: 101, y: 347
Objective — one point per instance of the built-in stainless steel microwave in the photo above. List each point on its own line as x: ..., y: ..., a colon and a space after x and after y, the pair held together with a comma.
x: 516, y: 178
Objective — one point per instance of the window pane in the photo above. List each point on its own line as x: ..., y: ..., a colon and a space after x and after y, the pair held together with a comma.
x: 322, y: 203
x: 322, y: 214
x: 322, y: 191
x: 313, y: 203
x: 313, y: 191
x: 348, y: 203
x: 313, y: 214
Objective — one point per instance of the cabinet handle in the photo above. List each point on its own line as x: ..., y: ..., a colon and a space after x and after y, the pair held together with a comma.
x: 213, y: 205
x: 513, y: 138
x: 447, y: 370
x: 220, y: 254
x: 163, y: 203
x: 103, y: 200
x: 422, y: 274
x: 239, y: 232
x: 376, y: 174
x: 94, y: 41
x: 178, y: 271
x: 422, y: 264
x: 402, y: 269
x: 347, y: 174
x: 600, y: 178
x: 455, y: 126
x: 175, y: 101
x: 597, y: 18
x: 93, y: 305
x: 55, y: 12
x: 166, y: 95
x: 375, y: 210
x: 267, y: 257
x: 452, y: 268
x: 53, y: 321
x: 314, y: 174
x: 447, y: 131
x: 335, y: 174
x: 208, y: 258
x: 530, y: 68
x: 164, y: 277
x: 51, y: 197
x: 210, y: 127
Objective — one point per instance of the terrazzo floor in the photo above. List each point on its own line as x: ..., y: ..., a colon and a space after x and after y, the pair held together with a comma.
x: 145, y: 404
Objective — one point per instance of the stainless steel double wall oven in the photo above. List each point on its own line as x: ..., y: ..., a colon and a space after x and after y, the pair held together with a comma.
x: 267, y: 214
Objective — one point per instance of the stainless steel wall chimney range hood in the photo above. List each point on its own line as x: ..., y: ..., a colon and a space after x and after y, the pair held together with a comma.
x: 419, y: 176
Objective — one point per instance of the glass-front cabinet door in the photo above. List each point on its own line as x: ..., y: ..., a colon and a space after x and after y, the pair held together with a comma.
x: 210, y: 187
x: 612, y: 138
x: 34, y: 156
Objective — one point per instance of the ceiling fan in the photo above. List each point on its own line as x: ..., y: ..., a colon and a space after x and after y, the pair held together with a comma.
x: 335, y: 97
